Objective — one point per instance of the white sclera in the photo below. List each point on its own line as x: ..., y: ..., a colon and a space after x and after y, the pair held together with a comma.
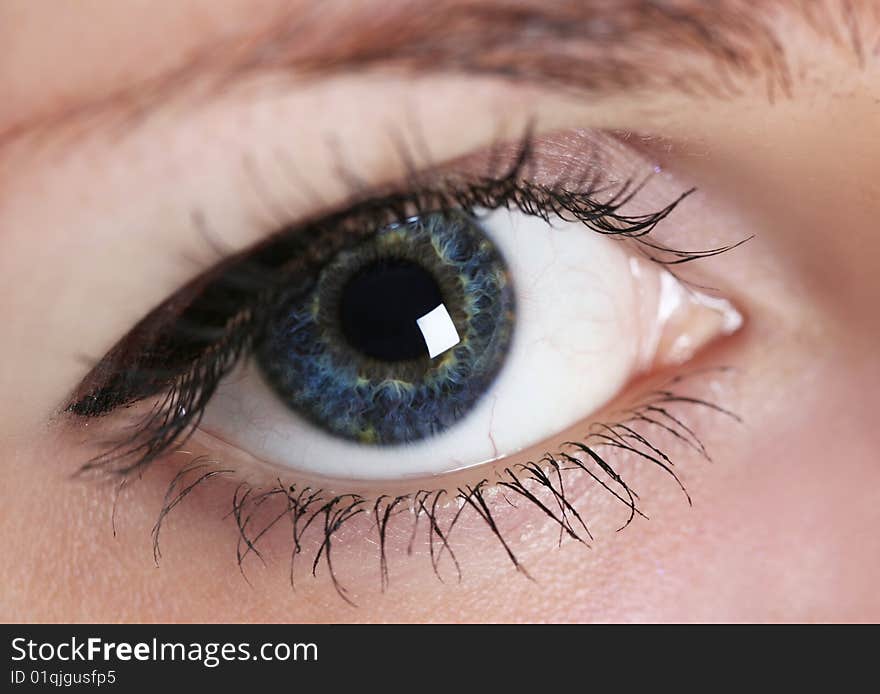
x: 576, y: 343
x: 438, y: 330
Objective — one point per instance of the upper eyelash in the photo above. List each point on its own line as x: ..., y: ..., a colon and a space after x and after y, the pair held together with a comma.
x: 186, y: 346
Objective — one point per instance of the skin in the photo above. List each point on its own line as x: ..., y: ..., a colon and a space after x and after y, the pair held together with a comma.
x: 782, y: 526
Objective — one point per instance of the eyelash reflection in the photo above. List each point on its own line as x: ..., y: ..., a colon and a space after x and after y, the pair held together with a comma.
x: 182, y: 350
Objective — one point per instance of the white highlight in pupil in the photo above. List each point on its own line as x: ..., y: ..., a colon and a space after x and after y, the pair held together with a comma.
x: 438, y: 330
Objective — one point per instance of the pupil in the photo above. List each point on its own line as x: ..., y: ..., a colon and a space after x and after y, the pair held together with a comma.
x: 380, y: 305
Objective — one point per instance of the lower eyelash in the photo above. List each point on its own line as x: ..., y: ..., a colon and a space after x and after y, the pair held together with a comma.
x: 545, y: 484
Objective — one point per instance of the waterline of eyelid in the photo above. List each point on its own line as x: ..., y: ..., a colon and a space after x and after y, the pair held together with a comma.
x: 681, y: 319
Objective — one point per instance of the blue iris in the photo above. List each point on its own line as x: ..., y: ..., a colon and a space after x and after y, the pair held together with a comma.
x: 349, y: 356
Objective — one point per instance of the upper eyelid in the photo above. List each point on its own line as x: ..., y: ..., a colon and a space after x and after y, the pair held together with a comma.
x: 443, y: 185
x: 138, y: 195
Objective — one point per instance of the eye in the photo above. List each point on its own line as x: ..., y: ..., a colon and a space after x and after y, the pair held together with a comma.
x: 368, y: 361
x: 451, y: 340
x: 418, y: 332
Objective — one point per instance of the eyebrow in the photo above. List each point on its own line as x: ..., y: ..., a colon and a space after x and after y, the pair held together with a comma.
x: 712, y: 49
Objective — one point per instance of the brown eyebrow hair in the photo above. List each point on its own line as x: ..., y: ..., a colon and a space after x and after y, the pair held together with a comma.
x: 601, y: 46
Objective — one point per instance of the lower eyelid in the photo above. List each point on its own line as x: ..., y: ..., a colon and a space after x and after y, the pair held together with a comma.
x: 370, y: 529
